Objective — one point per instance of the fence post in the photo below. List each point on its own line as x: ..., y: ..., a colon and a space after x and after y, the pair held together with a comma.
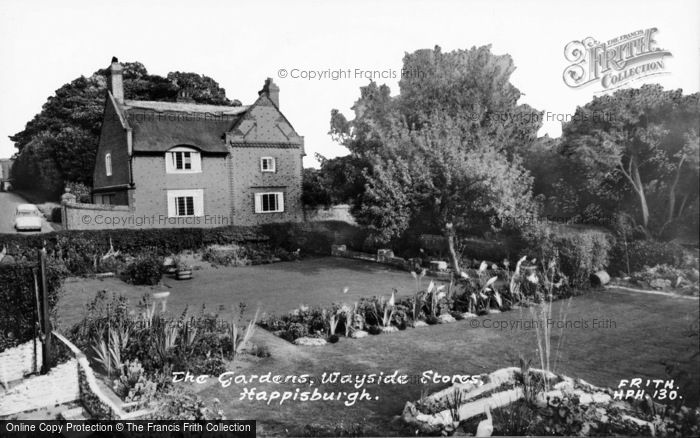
x: 46, y: 324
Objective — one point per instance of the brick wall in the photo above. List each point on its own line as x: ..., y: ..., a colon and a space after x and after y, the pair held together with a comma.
x: 152, y: 182
x: 247, y: 180
x: 18, y: 361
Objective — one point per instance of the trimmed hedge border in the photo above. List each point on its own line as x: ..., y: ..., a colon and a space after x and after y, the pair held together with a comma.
x: 18, y: 300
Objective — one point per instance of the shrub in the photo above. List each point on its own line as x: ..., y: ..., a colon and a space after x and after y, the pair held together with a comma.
x: 82, y: 192
x: 145, y: 269
x: 260, y: 351
x: 80, y: 249
x: 644, y: 253
x: 314, y: 237
x: 374, y: 330
x: 579, y: 251
x: 296, y: 330
x: 333, y: 339
x: 178, y: 404
x: 133, y: 385
x: 18, y: 298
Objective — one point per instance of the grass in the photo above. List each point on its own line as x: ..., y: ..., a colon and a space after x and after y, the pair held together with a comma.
x: 648, y: 331
x: 279, y: 287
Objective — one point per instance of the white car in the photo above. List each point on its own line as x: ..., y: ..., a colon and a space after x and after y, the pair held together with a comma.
x: 27, y: 218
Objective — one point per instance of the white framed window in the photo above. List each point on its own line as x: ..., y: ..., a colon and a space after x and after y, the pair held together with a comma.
x: 184, y: 203
x: 183, y: 160
x: 108, y: 164
x: 267, y: 164
x: 272, y: 202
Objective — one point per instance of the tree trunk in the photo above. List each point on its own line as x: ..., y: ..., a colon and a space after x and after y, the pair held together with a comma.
x: 642, y: 197
x: 454, y: 260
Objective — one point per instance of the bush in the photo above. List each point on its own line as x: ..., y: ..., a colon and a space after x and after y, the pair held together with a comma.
x: 644, y: 253
x: 18, y: 298
x: 178, y: 404
x: 79, y: 249
x: 144, y: 270
x: 314, y: 237
x: 580, y: 251
x: 133, y: 385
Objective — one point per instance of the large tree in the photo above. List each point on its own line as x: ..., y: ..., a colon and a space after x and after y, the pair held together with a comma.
x: 640, y: 142
x: 443, y: 155
x: 59, y: 144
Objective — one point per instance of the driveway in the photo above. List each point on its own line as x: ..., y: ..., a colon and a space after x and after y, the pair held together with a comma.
x: 8, y: 203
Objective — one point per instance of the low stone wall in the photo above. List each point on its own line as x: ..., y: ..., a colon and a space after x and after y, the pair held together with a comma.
x: 67, y: 382
x: 59, y: 386
x: 339, y: 212
x: 78, y: 216
x: 17, y: 362
x: 386, y: 257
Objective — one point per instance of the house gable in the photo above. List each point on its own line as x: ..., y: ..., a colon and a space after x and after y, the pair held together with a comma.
x: 112, y: 149
x: 263, y: 123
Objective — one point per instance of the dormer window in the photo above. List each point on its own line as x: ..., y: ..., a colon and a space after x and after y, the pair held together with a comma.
x: 183, y: 160
x: 267, y: 164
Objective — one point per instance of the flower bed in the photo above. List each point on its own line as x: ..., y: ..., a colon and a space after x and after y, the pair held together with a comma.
x: 136, y: 353
x: 523, y: 401
x: 486, y: 290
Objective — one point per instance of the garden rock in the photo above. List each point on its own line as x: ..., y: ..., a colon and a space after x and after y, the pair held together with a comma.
x: 446, y: 318
x: 358, y: 334
x: 310, y: 342
x: 600, y: 278
x: 468, y: 315
x: 493, y: 311
x: 433, y: 414
x: 420, y: 324
x: 389, y: 329
x: 660, y: 283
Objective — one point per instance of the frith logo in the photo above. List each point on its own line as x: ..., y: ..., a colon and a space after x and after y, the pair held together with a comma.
x: 616, y: 62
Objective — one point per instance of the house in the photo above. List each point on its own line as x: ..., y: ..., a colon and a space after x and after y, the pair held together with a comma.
x: 5, y: 169
x: 187, y: 164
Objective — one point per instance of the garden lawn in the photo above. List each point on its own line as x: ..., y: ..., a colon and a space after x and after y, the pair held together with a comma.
x: 279, y: 287
x: 639, y: 335
x: 649, y: 331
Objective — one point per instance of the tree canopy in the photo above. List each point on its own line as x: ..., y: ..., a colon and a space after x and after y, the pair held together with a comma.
x: 59, y: 144
x: 443, y: 155
x: 639, y: 149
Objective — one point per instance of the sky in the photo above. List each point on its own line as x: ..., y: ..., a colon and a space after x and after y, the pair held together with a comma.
x: 45, y: 44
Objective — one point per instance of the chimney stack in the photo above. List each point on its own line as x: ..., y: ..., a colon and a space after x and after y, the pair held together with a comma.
x: 116, y: 83
x: 272, y: 91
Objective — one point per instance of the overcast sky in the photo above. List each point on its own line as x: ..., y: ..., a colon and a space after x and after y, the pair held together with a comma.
x: 45, y: 44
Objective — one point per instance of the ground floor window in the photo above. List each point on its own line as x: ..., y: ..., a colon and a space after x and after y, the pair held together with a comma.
x: 105, y: 199
x: 183, y: 203
x: 272, y: 202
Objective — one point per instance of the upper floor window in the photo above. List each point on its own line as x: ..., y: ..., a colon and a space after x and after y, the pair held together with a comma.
x: 183, y: 160
x: 108, y: 164
x: 267, y: 164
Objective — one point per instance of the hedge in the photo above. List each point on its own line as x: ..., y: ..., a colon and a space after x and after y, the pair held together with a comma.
x: 78, y: 249
x: 314, y: 237
x: 18, y: 300
x: 644, y: 253
x: 581, y: 251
